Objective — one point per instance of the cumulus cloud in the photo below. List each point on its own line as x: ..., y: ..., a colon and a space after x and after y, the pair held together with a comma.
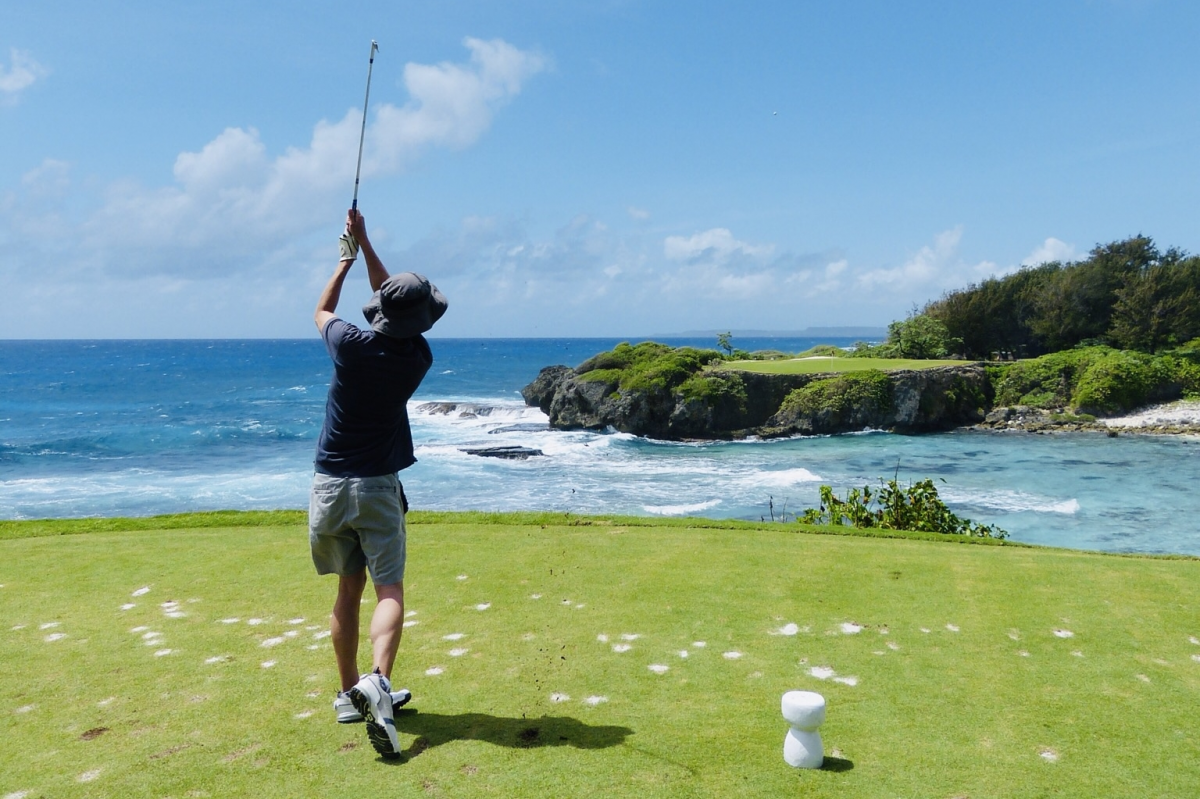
x: 22, y: 73
x: 935, y: 267
x: 232, y: 204
x: 716, y: 246
x: 1051, y: 250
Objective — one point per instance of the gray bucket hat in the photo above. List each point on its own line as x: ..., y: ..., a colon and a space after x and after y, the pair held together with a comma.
x: 406, y: 305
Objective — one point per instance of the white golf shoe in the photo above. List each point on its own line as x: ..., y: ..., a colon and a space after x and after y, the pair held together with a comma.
x: 347, y: 713
x: 373, y: 699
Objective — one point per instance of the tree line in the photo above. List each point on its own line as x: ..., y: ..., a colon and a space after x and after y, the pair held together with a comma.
x: 1127, y: 294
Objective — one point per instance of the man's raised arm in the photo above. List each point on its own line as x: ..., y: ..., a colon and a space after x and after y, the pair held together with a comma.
x: 376, y: 273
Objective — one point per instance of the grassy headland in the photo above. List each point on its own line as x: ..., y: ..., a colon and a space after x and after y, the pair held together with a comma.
x: 566, y: 656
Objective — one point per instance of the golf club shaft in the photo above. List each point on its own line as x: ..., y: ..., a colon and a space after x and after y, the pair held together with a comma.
x: 363, y: 132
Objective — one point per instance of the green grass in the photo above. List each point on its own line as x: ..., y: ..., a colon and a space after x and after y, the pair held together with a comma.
x: 803, y: 366
x: 935, y: 711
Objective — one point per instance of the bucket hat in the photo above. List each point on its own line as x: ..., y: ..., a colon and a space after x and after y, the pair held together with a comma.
x: 406, y: 305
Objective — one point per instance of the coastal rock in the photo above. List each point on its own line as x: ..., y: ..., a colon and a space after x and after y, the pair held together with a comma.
x: 464, y: 410
x: 512, y: 453
x: 740, y: 404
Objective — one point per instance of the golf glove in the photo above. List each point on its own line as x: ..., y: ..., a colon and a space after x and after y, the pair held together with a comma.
x: 347, y: 247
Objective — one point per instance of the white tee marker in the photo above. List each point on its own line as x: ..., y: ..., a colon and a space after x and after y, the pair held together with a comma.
x: 805, y: 712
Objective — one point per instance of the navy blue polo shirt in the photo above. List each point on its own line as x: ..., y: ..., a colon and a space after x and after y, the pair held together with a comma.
x: 366, y: 430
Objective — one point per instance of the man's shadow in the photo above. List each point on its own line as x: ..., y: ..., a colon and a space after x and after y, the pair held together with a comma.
x: 435, y: 729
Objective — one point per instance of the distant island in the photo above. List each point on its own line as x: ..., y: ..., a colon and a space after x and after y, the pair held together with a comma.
x: 866, y: 333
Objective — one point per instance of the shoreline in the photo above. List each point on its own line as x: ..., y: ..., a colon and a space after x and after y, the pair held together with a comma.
x: 1178, y: 418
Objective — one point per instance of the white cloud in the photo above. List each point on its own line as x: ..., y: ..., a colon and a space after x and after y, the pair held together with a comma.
x: 232, y: 206
x: 932, y: 269
x: 716, y: 245
x: 1051, y: 250
x: 639, y: 214
x: 18, y: 77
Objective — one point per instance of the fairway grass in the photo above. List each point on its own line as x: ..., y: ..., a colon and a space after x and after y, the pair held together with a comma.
x: 598, y: 658
x: 821, y: 365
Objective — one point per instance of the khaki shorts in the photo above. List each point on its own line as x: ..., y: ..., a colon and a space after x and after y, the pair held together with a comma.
x: 356, y: 522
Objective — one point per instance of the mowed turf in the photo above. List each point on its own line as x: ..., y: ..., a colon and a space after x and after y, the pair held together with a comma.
x: 585, y: 659
x: 814, y: 365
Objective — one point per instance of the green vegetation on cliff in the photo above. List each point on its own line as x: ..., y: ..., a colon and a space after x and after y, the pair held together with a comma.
x: 841, y: 395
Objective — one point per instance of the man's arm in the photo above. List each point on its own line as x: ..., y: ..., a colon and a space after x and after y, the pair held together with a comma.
x: 327, y: 305
x: 376, y: 273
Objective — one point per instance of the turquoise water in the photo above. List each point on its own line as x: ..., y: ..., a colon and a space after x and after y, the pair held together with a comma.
x: 146, y: 427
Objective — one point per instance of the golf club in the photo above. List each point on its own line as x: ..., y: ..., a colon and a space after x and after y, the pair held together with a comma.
x: 362, y: 133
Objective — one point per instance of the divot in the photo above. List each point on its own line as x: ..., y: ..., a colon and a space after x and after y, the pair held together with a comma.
x: 1014, y: 634
x: 699, y: 644
x: 595, y: 700
x: 229, y: 621
x: 630, y: 636
x: 683, y: 653
x: 560, y: 698
x: 25, y: 708
x: 411, y: 623
x: 454, y: 637
x: 52, y: 637
x: 1077, y: 653
x: 461, y: 577
x: 483, y: 606
x: 291, y: 633
x: 851, y: 681
x: 787, y: 629
x: 434, y: 671
x: 892, y: 645
x: 163, y: 653
x: 129, y: 606
x: 658, y: 668
x: 1049, y: 755
x: 255, y: 622
x: 850, y: 628
x: 139, y: 629
x: 16, y: 627
x: 88, y: 776
x: 266, y: 664
x: 457, y: 653
x: 295, y: 621
x: 16, y: 795
x: 105, y: 702
x: 1143, y: 677
x: 322, y: 634
x: 925, y: 630
x: 952, y: 628
x: 410, y: 614
x: 276, y: 641
x: 304, y: 714
x: 621, y: 647
x: 1193, y: 639
x: 50, y: 625
x: 732, y: 655
x: 1060, y: 633
x: 535, y: 596
x: 216, y: 659
x: 821, y: 672
x: 602, y: 638
x: 141, y: 591
x: 1023, y: 653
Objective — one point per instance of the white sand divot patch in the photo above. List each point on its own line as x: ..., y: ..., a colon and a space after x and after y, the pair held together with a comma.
x: 216, y: 659
x: 313, y: 694
x: 925, y: 630
x: 25, y: 708
x: 658, y: 668
x: 276, y: 641
x: 459, y: 652
x: 50, y: 625
x: 141, y: 628
x: 952, y: 628
x: 305, y: 714
x: 295, y: 621
x: 630, y: 636
x: 787, y: 629
x: 163, y: 653
x: 1049, y: 755
x: 434, y: 671
x: 1196, y: 658
x: 528, y: 637
x: 52, y: 637
x: 151, y: 636
x: 1059, y: 633
x: 228, y: 621
x: 683, y: 653
x: 106, y: 702
x: 879, y: 652
x: 1014, y: 634
x: 291, y: 633
x: 821, y: 672
x: 579, y: 606
x: 602, y: 638
x: 410, y: 614
x: 1023, y: 653
x: 732, y: 655
x: 461, y: 577
x: 313, y: 647
x: 129, y: 606
x: 595, y: 700
x: 850, y: 628
x: 892, y: 645
x: 621, y: 647
x: 535, y: 596
x: 255, y: 622
x: 483, y: 606
x: 699, y: 644
x: 1142, y: 677
x: 411, y: 623
x: 1077, y: 653
x: 851, y: 681
x: 322, y: 634
x: 454, y: 637
x: 560, y: 698
x: 16, y: 627
x: 175, y: 614
x: 1193, y: 639
x: 16, y: 795
x: 145, y: 589
x: 88, y: 776
x: 266, y: 664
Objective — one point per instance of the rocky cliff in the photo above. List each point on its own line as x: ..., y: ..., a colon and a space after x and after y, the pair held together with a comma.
x: 734, y: 404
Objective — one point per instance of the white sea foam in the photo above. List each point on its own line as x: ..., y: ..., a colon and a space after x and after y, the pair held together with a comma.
x: 680, y: 510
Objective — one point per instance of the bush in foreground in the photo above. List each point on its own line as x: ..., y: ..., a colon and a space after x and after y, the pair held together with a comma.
x: 917, y: 507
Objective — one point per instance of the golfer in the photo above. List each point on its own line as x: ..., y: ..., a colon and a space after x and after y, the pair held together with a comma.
x: 357, y: 506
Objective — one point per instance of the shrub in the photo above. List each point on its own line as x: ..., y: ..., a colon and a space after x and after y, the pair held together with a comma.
x: 648, y: 366
x: 1117, y: 382
x: 917, y: 507
x: 715, y: 389
x: 840, y: 395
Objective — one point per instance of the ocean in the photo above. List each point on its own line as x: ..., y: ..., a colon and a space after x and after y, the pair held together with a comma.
x: 136, y: 428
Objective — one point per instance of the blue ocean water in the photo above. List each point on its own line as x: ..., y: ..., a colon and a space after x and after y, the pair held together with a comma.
x: 93, y: 428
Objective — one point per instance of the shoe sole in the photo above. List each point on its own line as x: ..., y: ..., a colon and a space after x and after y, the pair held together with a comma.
x: 377, y: 733
x: 357, y: 718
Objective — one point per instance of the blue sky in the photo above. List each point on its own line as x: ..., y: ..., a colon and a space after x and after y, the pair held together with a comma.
x: 566, y: 168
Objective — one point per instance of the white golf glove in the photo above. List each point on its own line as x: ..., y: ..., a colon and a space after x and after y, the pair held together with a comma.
x: 347, y: 247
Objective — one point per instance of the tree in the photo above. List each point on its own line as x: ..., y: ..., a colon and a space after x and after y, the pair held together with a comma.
x: 921, y: 337
x: 724, y: 341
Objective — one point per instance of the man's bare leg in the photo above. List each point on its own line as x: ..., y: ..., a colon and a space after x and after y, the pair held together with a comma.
x: 343, y: 626
x: 387, y: 625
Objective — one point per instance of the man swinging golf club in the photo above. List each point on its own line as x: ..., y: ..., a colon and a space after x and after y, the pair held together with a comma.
x: 357, y: 504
